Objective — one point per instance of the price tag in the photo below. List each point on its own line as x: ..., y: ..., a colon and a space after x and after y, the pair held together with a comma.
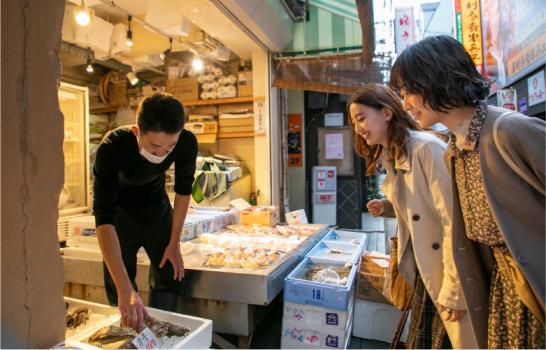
x: 146, y: 340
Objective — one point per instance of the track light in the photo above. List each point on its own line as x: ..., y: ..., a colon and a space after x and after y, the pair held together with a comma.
x: 89, y: 68
x: 82, y: 15
x: 129, y: 40
x: 165, y: 53
x: 197, y: 64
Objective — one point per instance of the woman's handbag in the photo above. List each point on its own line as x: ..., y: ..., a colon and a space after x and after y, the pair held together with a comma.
x: 396, y: 289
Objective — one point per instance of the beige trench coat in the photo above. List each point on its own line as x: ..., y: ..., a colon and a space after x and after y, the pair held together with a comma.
x: 418, y: 190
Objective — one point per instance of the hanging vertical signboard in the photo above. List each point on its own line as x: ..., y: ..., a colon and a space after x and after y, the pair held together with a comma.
x: 472, y: 30
x: 295, y: 154
x: 404, y: 28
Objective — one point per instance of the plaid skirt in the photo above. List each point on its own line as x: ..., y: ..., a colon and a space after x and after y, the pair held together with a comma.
x: 426, y: 329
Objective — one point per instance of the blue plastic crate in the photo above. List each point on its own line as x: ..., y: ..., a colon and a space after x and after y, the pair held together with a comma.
x: 301, y: 291
x: 336, y: 251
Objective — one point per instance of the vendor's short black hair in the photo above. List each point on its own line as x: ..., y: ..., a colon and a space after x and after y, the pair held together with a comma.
x: 440, y: 70
x: 160, y: 112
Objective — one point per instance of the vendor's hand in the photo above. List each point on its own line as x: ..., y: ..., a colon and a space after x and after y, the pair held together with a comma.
x: 375, y: 207
x: 450, y: 314
x: 172, y: 253
x: 132, y: 310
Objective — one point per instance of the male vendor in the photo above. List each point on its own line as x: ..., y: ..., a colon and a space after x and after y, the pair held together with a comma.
x: 132, y: 209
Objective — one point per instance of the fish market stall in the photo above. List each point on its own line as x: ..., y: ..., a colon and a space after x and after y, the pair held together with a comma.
x: 231, y: 275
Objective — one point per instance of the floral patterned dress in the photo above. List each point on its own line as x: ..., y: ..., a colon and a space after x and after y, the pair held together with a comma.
x: 511, y: 324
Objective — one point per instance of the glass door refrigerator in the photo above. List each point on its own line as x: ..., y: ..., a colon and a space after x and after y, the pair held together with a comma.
x: 75, y: 198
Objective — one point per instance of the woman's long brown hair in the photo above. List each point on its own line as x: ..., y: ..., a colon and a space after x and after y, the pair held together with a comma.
x: 379, y: 96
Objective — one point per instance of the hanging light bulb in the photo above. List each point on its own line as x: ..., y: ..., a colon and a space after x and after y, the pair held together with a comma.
x: 165, y: 53
x: 82, y: 15
x: 89, y: 68
x: 197, y: 64
x: 129, y: 40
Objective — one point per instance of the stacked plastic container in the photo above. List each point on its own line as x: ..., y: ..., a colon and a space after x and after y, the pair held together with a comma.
x: 318, y: 312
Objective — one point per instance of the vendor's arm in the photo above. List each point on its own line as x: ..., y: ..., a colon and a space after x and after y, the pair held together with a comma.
x: 130, y: 305
x: 105, y: 206
x: 172, y: 252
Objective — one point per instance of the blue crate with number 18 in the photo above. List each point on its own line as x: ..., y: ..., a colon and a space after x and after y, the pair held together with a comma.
x: 331, y: 296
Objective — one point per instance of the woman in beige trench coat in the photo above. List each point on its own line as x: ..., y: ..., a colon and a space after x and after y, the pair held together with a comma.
x: 418, y: 190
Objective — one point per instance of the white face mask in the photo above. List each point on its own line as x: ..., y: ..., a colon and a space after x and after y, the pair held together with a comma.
x: 152, y: 158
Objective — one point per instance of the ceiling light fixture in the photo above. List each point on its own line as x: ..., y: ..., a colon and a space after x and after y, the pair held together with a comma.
x: 133, y: 79
x: 82, y: 15
x: 165, y: 53
x: 129, y: 40
x: 197, y: 63
x: 89, y: 68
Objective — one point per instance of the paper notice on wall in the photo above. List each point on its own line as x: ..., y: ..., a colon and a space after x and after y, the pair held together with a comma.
x: 334, y: 146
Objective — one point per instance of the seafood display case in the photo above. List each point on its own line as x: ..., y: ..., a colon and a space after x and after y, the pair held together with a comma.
x: 245, y: 264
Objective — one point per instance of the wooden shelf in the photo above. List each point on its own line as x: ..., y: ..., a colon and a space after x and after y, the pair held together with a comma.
x: 219, y: 101
x: 105, y: 109
x: 233, y: 135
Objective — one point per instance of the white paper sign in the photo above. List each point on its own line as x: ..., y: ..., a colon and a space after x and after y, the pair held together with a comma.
x: 146, y: 340
x: 535, y: 87
x: 507, y: 98
x: 296, y: 217
x: 334, y: 146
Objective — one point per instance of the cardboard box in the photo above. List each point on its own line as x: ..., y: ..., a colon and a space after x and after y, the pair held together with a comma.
x: 370, y: 281
x: 262, y: 216
x: 198, y: 128
x: 184, y: 89
x: 244, y: 84
x: 377, y: 321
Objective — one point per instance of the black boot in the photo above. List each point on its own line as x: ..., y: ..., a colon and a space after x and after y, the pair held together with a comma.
x: 164, y: 300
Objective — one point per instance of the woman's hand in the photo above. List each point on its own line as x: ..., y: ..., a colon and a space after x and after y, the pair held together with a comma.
x: 375, y: 207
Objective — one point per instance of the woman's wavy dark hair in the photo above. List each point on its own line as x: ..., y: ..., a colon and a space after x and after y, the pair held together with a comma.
x: 379, y: 96
x: 441, y: 71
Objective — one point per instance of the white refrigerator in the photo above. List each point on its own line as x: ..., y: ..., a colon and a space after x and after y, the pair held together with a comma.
x: 75, y: 197
x: 324, y: 194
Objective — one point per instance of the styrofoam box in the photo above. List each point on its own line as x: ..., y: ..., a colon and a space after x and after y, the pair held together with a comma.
x: 298, y: 335
x: 234, y: 173
x: 188, y: 232
x: 377, y: 321
x: 345, y: 251
x: 81, y: 226
x: 330, y: 296
x: 352, y: 237
x: 315, y: 315
x: 200, y: 336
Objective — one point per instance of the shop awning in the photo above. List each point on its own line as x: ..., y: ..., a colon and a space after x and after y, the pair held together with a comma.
x: 342, y: 8
x: 336, y: 72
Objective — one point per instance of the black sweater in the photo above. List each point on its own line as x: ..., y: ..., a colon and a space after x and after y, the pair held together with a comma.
x: 123, y: 178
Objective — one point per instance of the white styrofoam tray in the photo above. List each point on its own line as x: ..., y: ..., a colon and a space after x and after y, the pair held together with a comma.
x: 337, y: 251
x: 200, y: 336
x: 352, y: 237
